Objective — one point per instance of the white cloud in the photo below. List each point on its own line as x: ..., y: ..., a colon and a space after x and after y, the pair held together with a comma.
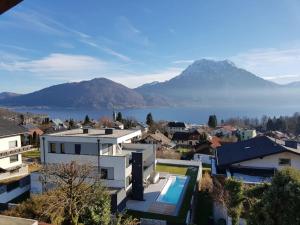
x: 136, y: 80
x: 58, y: 66
x: 131, y: 32
x: 280, y: 65
x: 107, y: 50
x: 33, y: 20
x: 184, y: 61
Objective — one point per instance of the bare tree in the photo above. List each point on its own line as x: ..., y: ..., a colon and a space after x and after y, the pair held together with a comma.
x: 75, y: 190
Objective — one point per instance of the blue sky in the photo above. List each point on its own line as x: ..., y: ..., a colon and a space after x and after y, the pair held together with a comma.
x: 133, y: 42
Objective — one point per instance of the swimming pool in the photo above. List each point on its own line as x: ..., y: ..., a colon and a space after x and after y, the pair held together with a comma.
x: 173, y: 190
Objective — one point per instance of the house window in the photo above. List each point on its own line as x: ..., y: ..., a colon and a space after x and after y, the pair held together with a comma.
x: 13, y: 158
x: 52, y: 148
x: 62, y: 148
x: 77, y: 149
x: 13, y: 144
x: 104, y: 173
x: 284, y: 162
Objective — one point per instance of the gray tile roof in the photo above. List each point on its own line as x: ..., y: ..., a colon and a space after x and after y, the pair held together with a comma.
x: 250, y: 149
x: 8, y: 128
x: 176, y: 124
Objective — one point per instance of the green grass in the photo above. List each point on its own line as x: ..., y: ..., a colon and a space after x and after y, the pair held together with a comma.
x: 204, y: 208
x: 183, y: 150
x: 32, y: 154
x: 180, y: 218
x: 181, y: 170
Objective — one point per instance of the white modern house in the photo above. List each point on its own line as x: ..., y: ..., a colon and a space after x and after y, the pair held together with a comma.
x: 14, y: 175
x: 119, y: 163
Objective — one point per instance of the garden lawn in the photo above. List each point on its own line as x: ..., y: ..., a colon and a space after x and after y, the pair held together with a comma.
x: 180, y: 218
x: 32, y: 154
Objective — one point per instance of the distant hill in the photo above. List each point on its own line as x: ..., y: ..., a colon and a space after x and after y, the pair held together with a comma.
x: 293, y: 84
x: 203, y: 83
x: 97, y: 93
x: 4, y: 95
x: 217, y: 83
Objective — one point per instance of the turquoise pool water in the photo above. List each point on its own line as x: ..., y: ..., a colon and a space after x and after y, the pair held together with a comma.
x: 173, y: 190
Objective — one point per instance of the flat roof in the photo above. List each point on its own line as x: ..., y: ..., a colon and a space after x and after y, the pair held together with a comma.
x: 9, y: 220
x: 98, y: 133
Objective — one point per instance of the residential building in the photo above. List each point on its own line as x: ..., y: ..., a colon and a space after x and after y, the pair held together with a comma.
x: 255, y: 160
x: 14, y: 175
x: 32, y: 134
x: 173, y: 127
x: 143, y: 127
x: 58, y: 124
x: 117, y: 125
x: 246, y: 134
x: 223, y: 131
x: 120, y: 164
x: 187, y: 138
x: 159, y: 139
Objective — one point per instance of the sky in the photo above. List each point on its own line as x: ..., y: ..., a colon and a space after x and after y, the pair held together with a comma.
x: 43, y: 43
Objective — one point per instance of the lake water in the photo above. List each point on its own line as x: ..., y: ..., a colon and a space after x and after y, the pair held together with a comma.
x: 187, y: 114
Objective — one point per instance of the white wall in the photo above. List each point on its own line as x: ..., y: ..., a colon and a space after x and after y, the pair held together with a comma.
x: 4, y: 146
x: 5, y: 162
x: 4, y: 142
x: 117, y: 162
x: 271, y: 161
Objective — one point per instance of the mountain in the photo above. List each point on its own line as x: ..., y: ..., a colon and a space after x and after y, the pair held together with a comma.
x: 216, y: 83
x: 4, y: 95
x: 96, y: 93
x: 203, y: 83
x: 295, y: 84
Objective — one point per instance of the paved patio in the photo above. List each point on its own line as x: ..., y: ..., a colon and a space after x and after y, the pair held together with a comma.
x: 150, y: 195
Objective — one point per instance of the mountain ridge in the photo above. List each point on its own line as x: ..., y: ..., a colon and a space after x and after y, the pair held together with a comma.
x: 204, y: 82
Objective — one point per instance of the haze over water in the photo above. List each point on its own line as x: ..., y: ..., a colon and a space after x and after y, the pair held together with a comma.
x: 197, y: 115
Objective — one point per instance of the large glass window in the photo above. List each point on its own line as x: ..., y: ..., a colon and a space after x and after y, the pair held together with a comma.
x: 62, y: 148
x: 77, y: 149
x: 52, y: 148
x: 104, y: 173
x: 14, y: 158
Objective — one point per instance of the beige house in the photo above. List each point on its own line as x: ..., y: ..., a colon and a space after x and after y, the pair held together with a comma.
x: 159, y: 139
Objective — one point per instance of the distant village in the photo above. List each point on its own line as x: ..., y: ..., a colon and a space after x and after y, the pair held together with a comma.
x: 139, y: 161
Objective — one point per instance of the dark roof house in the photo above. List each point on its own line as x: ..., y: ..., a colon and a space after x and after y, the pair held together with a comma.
x: 185, y: 136
x: 177, y: 124
x: 253, y: 148
x: 9, y: 128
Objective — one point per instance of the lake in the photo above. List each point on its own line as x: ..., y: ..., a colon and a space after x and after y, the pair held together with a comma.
x: 197, y: 115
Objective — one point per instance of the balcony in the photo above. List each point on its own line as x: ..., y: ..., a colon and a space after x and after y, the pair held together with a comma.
x: 6, y: 175
x: 14, y: 151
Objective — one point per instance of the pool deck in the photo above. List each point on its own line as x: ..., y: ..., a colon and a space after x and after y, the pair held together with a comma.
x: 150, y: 195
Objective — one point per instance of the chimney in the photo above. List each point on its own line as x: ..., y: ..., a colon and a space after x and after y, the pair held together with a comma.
x: 85, y: 130
x: 109, y: 131
x: 291, y: 144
